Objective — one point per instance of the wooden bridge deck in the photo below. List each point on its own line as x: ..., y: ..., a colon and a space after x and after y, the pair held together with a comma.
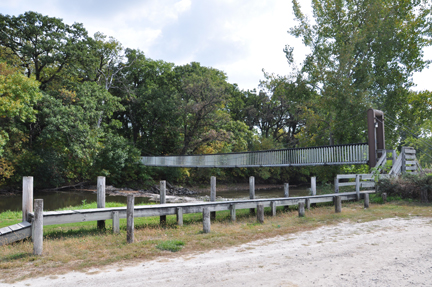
x: 22, y: 230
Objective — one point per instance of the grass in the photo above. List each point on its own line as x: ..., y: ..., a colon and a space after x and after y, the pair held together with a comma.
x: 171, y: 245
x: 81, y: 246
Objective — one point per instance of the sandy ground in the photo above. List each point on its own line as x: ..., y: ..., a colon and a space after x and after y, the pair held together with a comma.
x: 389, y: 252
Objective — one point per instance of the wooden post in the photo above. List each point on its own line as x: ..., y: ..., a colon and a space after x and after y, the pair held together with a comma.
x: 313, y: 185
x: 233, y: 211
x: 213, y: 195
x: 384, y: 197
x: 27, y: 197
x: 357, y: 179
x: 366, y: 200
x: 116, y: 222
x: 286, y: 189
x: 206, y: 220
x: 338, y: 204
x: 260, y: 213
x: 101, y: 198
x: 130, y: 219
x: 307, y: 203
x: 336, y: 185
x: 37, y: 234
x: 179, y: 212
x: 273, y: 208
x: 286, y: 194
x: 301, y: 209
x: 162, y: 188
x: 252, y: 192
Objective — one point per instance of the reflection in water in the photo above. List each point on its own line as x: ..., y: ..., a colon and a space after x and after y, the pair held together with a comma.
x: 56, y: 200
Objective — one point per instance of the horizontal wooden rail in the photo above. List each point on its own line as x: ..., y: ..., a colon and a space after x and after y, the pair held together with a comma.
x: 72, y: 216
x: 15, y: 232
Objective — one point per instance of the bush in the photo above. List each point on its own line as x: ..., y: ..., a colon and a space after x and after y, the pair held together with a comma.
x: 414, y: 186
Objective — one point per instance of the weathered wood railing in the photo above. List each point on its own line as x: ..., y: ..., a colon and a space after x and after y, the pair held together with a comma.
x: 360, y: 181
x: 27, y: 228
x: 311, y: 156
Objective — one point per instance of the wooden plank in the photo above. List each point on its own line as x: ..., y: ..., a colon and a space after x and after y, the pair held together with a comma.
x: 367, y: 184
x: 15, y: 236
x: 5, y: 230
x: 410, y: 156
x: 24, y: 224
x: 411, y: 168
x: 345, y: 176
x: 15, y: 227
x: 410, y: 162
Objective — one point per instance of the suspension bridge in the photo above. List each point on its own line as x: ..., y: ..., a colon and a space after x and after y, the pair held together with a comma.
x: 358, y: 153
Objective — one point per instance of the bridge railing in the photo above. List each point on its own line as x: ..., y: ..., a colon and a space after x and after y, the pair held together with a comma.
x: 311, y: 156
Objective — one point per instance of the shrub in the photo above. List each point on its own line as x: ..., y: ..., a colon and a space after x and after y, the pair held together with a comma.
x: 414, y: 186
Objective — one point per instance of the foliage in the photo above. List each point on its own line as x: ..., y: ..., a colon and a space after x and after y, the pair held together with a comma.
x: 408, y: 186
x: 363, y: 54
x: 73, y: 107
x: 200, y: 94
x: 18, y: 96
x: 45, y: 45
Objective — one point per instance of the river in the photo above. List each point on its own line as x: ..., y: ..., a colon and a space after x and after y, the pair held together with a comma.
x: 56, y: 200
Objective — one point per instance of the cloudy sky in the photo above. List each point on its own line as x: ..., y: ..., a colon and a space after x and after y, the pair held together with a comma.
x: 239, y: 37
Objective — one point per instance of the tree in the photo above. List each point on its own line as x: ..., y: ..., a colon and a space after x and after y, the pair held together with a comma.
x: 150, y: 118
x: 18, y: 96
x: 45, y: 45
x: 363, y: 54
x: 71, y: 140
x: 201, y: 94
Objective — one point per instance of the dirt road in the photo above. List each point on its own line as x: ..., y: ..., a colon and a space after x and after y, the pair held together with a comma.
x: 389, y: 252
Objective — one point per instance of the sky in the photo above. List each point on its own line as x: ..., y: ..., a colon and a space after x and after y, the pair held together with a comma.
x: 239, y: 37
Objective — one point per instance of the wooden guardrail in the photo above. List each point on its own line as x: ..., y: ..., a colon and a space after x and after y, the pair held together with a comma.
x: 360, y: 181
x: 83, y: 215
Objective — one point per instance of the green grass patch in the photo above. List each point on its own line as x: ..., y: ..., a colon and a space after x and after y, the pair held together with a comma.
x: 171, y: 245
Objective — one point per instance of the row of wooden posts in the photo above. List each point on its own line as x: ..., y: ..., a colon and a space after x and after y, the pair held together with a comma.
x: 37, y: 221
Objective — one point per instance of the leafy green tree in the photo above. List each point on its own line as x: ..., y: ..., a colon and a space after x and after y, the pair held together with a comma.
x: 71, y: 139
x: 363, y: 54
x: 45, y: 45
x: 18, y: 97
x: 414, y: 125
x: 147, y: 93
x: 200, y: 97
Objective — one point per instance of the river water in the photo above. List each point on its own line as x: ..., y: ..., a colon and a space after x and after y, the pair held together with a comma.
x: 56, y: 200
